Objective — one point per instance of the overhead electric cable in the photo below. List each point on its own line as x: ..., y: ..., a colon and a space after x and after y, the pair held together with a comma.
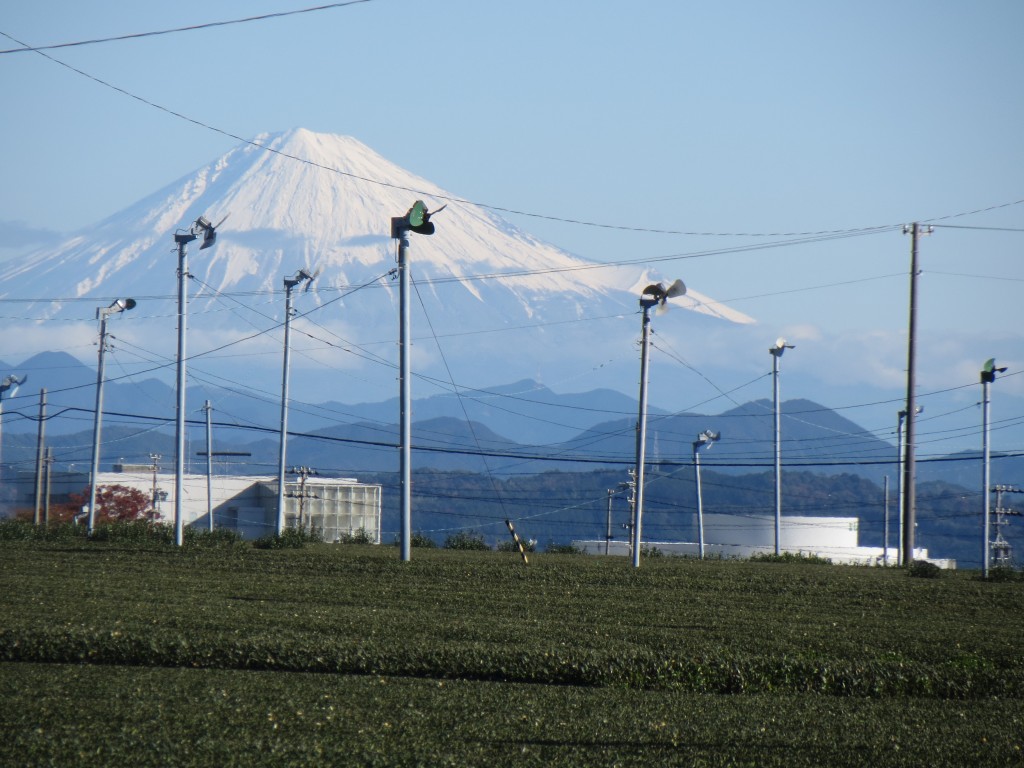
x: 451, y: 199
x: 190, y: 28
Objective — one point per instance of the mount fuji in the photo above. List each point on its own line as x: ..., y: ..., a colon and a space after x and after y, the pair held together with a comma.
x: 491, y: 302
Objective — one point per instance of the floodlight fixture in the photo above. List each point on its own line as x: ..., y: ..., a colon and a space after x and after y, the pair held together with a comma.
x: 781, y: 345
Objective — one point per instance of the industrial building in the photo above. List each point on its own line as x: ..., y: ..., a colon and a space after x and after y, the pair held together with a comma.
x: 332, y: 507
x: 742, y: 536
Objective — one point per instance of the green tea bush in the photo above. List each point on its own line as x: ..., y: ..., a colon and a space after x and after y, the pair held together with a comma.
x: 356, y: 537
x: 563, y: 549
x: 511, y: 546
x: 290, y: 538
x: 25, y: 530
x: 790, y: 557
x: 922, y: 569
x: 1003, y: 574
x: 466, y: 541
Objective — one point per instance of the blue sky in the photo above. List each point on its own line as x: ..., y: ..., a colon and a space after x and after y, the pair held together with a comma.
x: 726, y: 117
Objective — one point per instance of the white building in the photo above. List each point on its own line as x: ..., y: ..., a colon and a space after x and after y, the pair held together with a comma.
x: 742, y: 536
x: 333, y: 507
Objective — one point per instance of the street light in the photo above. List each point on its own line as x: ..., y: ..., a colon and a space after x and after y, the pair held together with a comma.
x: 416, y: 219
x: 201, y: 226
x: 102, y: 313
x: 289, y: 283
x: 653, y: 295
x: 708, y: 438
x: 777, y: 351
x: 988, y: 375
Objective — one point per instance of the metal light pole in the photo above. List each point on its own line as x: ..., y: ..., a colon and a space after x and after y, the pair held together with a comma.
x: 289, y: 283
x: 641, y: 428
x: 416, y: 219
x: 777, y: 351
x: 653, y: 295
x: 120, y: 305
x: 988, y: 375
x: 708, y: 438
x: 182, y: 239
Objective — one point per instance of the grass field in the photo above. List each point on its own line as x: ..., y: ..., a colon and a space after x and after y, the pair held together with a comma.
x: 120, y: 653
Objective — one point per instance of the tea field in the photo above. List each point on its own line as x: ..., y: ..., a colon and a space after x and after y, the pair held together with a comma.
x: 128, y: 653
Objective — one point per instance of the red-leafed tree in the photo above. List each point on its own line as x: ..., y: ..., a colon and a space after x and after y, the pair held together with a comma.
x: 114, y: 504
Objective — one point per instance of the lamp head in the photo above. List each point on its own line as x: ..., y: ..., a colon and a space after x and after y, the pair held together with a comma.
x: 12, y: 382
x: 209, y: 230
x: 707, y: 437
x: 989, y: 371
x: 781, y: 345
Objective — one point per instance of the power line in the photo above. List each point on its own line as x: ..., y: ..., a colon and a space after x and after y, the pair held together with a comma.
x: 190, y: 28
x: 828, y: 234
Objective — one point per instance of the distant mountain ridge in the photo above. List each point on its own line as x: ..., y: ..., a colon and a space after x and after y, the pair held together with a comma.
x: 520, y: 427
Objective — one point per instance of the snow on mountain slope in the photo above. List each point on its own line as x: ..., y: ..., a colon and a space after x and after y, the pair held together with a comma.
x: 487, y: 293
x: 318, y: 200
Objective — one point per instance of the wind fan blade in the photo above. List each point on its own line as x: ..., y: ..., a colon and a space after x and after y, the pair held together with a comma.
x: 312, y: 279
x: 678, y: 288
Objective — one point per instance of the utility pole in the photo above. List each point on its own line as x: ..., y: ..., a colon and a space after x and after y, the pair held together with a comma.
x: 209, y: 463
x: 608, y: 524
x: 155, y: 466
x: 303, y: 473
x: 289, y: 284
x: 1000, y: 546
x: 49, y: 476
x: 988, y: 375
x: 908, y: 512
x: 885, y: 527
x: 40, y: 438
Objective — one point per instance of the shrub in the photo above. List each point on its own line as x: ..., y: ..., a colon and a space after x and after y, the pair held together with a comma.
x: 1003, y: 574
x: 789, y: 557
x: 290, y: 538
x: 922, y: 569
x: 650, y: 552
x: 511, y: 546
x: 466, y: 541
x: 563, y: 549
x: 356, y: 537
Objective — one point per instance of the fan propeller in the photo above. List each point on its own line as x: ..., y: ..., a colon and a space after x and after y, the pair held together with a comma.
x: 660, y: 294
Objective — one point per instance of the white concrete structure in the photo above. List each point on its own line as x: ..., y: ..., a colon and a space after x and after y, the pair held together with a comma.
x: 742, y: 536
